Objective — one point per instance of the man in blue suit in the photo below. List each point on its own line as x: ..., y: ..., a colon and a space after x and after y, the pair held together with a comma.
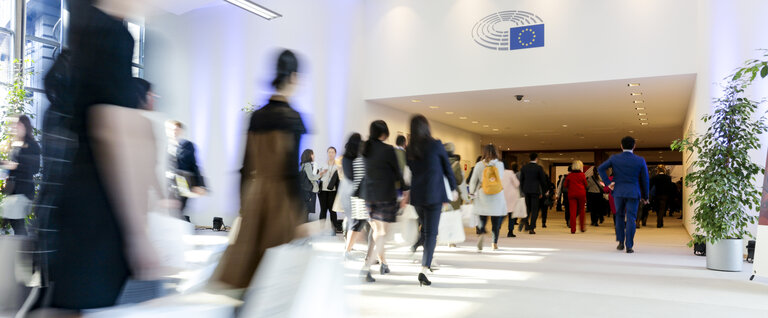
x: 630, y: 185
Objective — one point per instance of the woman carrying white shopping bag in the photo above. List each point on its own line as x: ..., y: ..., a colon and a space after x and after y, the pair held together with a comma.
x: 486, y: 185
x: 429, y: 164
x: 511, y: 194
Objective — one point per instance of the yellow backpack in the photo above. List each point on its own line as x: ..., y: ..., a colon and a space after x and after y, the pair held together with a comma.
x: 491, y: 180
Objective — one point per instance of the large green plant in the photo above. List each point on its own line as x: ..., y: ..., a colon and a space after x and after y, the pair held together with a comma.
x: 723, y: 177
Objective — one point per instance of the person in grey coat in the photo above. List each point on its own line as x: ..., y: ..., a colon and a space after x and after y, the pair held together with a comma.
x: 488, y: 205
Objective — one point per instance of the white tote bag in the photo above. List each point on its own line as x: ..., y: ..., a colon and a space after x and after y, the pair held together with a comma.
x: 520, y: 211
x: 15, y: 206
x: 451, y: 229
x: 404, y: 232
x: 468, y: 216
x: 166, y: 234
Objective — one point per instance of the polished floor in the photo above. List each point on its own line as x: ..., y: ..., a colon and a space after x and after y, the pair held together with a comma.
x: 558, y: 274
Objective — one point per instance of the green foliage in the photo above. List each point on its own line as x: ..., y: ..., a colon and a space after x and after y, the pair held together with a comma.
x: 248, y: 108
x: 723, y: 177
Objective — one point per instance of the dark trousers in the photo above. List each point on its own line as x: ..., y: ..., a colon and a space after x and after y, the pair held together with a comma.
x: 19, y: 226
x: 430, y: 216
x: 310, y: 200
x: 567, y: 209
x: 544, y: 209
x: 511, y: 222
x: 595, y: 206
x: 532, y: 203
x: 327, y: 198
x: 577, y: 210
x: 626, y: 220
x: 495, y: 226
x: 662, y: 203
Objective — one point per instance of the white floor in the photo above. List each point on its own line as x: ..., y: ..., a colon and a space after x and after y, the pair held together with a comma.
x: 557, y: 274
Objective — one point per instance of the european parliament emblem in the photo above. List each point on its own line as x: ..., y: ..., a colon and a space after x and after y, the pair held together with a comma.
x: 509, y: 30
x: 525, y: 37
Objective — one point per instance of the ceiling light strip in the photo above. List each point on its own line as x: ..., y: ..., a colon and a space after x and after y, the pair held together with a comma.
x: 255, y: 9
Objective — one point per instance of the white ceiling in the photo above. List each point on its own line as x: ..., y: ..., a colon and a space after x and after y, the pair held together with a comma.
x: 597, y: 114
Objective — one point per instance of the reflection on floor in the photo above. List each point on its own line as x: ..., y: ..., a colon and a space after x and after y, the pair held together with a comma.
x: 557, y: 274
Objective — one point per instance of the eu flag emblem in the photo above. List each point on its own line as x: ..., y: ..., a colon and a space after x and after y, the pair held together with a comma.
x: 526, y: 37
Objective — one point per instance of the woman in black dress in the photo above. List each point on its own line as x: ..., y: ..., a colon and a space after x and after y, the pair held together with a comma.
x: 23, y: 165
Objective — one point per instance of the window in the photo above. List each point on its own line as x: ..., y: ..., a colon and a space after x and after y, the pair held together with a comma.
x: 137, y: 32
x: 7, y: 26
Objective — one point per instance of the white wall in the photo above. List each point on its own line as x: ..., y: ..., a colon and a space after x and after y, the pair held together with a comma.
x: 729, y: 32
x: 426, y: 46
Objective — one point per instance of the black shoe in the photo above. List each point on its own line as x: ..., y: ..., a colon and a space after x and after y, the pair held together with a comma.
x: 630, y: 251
x: 367, y: 277
x: 544, y: 226
x: 384, y: 269
x: 680, y: 217
x: 423, y: 281
x: 531, y: 232
x: 413, y: 249
x: 510, y: 234
x: 621, y: 246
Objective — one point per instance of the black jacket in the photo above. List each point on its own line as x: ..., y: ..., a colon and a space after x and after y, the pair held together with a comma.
x: 662, y: 185
x: 533, y: 178
x: 428, y: 186
x: 382, y: 172
x: 186, y: 163
x: 21, y: 179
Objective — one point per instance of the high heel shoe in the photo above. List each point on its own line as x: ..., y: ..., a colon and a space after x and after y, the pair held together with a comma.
x: 367, y: 277
x: 384, y: 269
x: 423, y: 281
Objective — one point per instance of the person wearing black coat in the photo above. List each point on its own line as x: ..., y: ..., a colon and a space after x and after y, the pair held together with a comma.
x: 382, y: 176
x: 183, y: 163
x: 24, y: 163
x: 664, y: 191
x: 429, y: 163
x: 533, y: 181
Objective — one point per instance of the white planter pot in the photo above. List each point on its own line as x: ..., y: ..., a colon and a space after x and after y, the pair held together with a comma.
x: 725, y: 255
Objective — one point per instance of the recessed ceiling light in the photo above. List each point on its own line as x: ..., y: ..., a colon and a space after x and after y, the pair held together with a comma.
x: 495, y: 129
x: 639, y: 108
x: 661, y: 152
x: 642, y: 114
x: 633, y: 84
x: 449, y: 113
x: 638, y: 101
x: 561, y: 154
x: 433, y: 107
x: 582, y: 137
x: 463, y: 117
x: 636, y: 94
x: 526, y: 135
x: 644, y: 124
x: 631, y: 131
x: 486, y: 126
x: 526, y: 101
x: 415, y: 101
x: 565, y: 126
x: 475, y: 122
x: 507, y: 148
x: 643, y: 119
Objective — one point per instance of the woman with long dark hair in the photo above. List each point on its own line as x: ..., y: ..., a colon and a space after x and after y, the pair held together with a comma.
x: 354, y: 172
x: 430, y: 166
x: 270, y: 198
x: 486, y: 185
x: 382, y: 177
x: 19, y: 188
x: 309, y: 180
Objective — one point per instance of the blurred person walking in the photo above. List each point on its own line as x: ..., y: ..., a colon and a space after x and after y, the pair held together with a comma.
x: 487, y: 187
x: 329, y: 184
x: 184, y: 177
x: 576, y: 183
x: 270, y: 199
x: 22, y: 166
x: 562, y: 192
x: 664, y: 191
x: 400, y: 144
x: 382, y: 178
x: 511, y: 194
x: 354, y: 207
x: 534, y: 183
x: 458, y: 175
x: 594, y: 198
x: 630, y: 187
x: 431, y: 169
x: 309, y: 181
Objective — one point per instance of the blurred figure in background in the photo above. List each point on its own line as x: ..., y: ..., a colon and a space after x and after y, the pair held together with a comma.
x: 429, y: 163
x: 270, y: 202
x: 534, y: 183
x: 329, y: 184
x: 400, y: 144
x: 576, y: 183
x: 546, y: 201
x: 594, y: 198
x: 382, y: 176
x: 22, y: 166
x: 562, y: 192
x: 309, y: 180
x: 183, y: 174
x: 664, y: 191
x: 486, y: 186
x: 458, y: 174
x: 511, y: 194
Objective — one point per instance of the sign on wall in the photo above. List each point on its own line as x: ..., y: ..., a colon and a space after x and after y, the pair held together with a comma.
x: 509, y: 30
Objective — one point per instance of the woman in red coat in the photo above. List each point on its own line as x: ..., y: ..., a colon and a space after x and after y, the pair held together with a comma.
x: 576, y: 183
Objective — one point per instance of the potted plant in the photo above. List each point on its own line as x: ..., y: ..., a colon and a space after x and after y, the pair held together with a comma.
x: 723, y: 177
